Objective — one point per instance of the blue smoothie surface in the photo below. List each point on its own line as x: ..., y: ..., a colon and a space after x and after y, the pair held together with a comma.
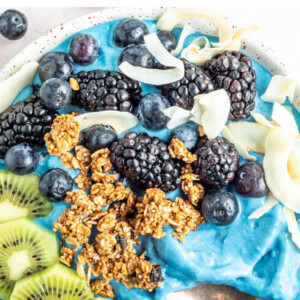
x: 255, y: 256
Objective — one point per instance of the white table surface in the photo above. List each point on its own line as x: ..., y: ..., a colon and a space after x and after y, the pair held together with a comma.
x: 279, y: 28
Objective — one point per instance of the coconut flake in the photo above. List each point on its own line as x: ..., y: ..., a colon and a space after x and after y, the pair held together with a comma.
x: 269, y: 204
x: 186, y: 31
x: 242, y: 149
x: 12, y: 86
x: 120, y: 121
x: 280, y: 143
x: 177, y: 115
x: 214, y: 110
x: 284, y: 118
x: 252, y: 135
x: 260, y: 119
x: 156, y: 76
x: 173, y: 16
x: 191, y: 52
x: 292, y: 225
x: 279, y: 88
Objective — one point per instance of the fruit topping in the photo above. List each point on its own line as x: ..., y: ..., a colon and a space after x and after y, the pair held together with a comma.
x: 217, y: 161
x: 99, y: 137
x: 56, y: 282
x: 104, y: 90
x: 13, y: 24
x: 250, y: 180
x: 56, y: 65
x: 21, y: 159
x: 84, y: 49
x: 150, y: 111
x: 26, y: 248
x: 56, y: 93
x: 168, y: 39
x: 130, y: 31
x: 65, y: 131
x: 13, y: 85
x: 186, y: 134
x: 219, y: 207
x: 54, y: 184
x: 156, y: 76
x: 137, y: 55
x: 145, y: 161
x: 279, y: 88
x: 183, y: 91
x: 20, y: 197
x: 26, y: 121
x: 233, y: 71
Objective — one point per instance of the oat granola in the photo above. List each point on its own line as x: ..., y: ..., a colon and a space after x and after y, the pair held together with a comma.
x: 178, y: 150
x: 67, y: 255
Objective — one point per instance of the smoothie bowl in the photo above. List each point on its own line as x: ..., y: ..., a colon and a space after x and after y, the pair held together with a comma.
x: 144, y: 153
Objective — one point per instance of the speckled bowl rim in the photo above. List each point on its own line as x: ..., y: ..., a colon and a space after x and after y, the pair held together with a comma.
x: 256, y: 49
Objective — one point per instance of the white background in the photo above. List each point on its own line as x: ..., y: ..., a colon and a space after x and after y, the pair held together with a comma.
x: 279, y: 23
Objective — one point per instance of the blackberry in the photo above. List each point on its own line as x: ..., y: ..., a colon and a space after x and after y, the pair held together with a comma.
x: 194, y: 82
x: 105, y: 90
x: 156, y: 274
x: 217, y: 161
x: 233, y: 71
x: 145, y: 161
x: 26, y: 121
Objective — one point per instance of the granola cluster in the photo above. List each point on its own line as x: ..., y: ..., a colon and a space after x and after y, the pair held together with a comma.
x: 63, y: 136
x: 67, y: 255
x: 178, y: 150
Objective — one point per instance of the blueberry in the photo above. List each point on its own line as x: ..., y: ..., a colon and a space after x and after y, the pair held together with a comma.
x: 130, y: 31
x: 99, y: 137
x: 84, y: 49
x: 219, y: 207
x: 54, y: 184
x: 21, y: 159
x: 186, y: 134
x: 168, y: 39
x: 13, y: 24
x: 150, y: 111
x: 56, y: 65
x: 137, y: 55
x: 56, y: 93
x: 250, y: 180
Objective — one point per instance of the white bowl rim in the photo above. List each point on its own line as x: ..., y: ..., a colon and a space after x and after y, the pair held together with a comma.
x: 258, y: 50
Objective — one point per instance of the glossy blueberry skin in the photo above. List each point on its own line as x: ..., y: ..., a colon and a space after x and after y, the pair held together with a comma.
x: 13, y: 24
x: 250, y: 180
x: 168, y: 39
x: 21, y: 159
x: 150, y: 111
x: 137, y: 55
x: 84, y: 49
x: 54, y: 184
x: 219, y: 207
x: 99, y: 137
x: 56, y: 93
x: 186, y: 134
x: 130, y: 31
x: 56, y: 65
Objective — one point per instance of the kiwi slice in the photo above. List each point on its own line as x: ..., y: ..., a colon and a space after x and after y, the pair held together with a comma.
x: 20, y: 197
x: 56, y: 282
x: 25, y: 248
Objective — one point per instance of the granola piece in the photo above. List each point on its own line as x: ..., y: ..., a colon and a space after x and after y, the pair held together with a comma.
x: 195, y: 192
x: 106, y: 243
x: 67, y: 255
x: 81, y: 203
x: 63, y: 136
x: 88, y: 255
x: 201, y: 131
x: 103, y: 288
x: 83, y: 156
x: 184, y: 218
x: 186, y: 169
x: 71, y: 228
x: 69, y: 161
x: 83, y: 181
x: 178, y: 150
x: 104, y: 177
x: 101, y: 161
x: 107, y: 222
x: 92, y: 220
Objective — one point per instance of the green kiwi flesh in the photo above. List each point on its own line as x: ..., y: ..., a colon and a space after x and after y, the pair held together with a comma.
x: 20, y: 197
x: 56, y: 282
x: 25, y: 248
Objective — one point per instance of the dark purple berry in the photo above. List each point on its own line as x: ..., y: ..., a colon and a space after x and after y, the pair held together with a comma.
x: 186, y: 134
x: 250, y: 180
x: 84, y: 49
x: 168, y: 39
